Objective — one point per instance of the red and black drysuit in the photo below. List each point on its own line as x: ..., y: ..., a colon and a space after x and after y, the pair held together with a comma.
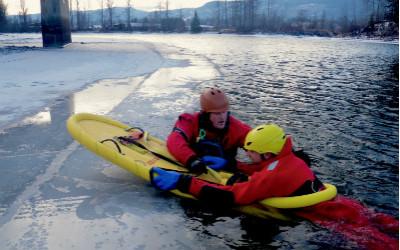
x: 183, y: 143
x: 283, y: 175
x: 287, y: 175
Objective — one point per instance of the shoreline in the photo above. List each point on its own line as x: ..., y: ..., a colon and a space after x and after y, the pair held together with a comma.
x: 7, y: 48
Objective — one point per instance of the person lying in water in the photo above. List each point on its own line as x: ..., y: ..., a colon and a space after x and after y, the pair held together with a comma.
x: 210, y: 137
x: 276, y: 171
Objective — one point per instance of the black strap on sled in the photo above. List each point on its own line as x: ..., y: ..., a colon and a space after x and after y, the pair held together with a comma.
x: 143, y: 147
x: 116, y: 144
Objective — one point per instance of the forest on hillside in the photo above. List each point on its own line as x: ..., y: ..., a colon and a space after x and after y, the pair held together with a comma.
x: 295, y: 17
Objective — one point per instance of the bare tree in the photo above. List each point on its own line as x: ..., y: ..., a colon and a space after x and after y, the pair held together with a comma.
x: 248, y: 15
x: 237, y: 7
x: 109, y: 5
x: 128, y: 13
x: 218, y: 15
x: 252, y: 13
x: 160, y: 7
x: 71, y: 16
x: 78, y: 16
x: 226, y: 14
x: 354, y: 13
x: 88, y: 14
x: 166, y: 8
x: 23, y: 15
x: 376, y: 8
x: 157, y: 15
x: 101, y: 5
x: 3, y: 15
x: 269, y: 13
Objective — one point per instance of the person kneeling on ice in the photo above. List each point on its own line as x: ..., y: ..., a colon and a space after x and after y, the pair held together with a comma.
x: 210, y: 137
x: 276, y: 171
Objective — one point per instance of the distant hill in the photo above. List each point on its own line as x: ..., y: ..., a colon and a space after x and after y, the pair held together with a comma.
x: 285, y: 8
x: 291, y: 8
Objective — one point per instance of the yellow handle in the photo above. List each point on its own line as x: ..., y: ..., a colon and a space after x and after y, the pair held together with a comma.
x: 215, y: 174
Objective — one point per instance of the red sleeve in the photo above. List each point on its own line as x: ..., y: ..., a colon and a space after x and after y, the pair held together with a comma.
x: 177, y: 144
x: 248, y: 169
x: 257, y: 188
x: 237, y: 132
x: 278, y: 177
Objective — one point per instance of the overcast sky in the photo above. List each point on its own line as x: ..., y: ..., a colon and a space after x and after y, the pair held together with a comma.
x: 34, y: 5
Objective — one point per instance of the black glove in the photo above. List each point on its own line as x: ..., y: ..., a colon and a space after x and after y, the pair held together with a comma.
x: 237, y: 178
x: 231, y: 165
x: 195, y: 165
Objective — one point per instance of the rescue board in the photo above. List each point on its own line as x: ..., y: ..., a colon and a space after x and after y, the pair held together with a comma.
x: 141, y: 152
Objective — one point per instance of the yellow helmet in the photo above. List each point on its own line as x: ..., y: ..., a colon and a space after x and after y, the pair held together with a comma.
x: 265, y: 139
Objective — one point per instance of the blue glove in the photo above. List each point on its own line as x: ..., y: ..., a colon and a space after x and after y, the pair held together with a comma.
x: 215, y: 163
x: 166, y: 180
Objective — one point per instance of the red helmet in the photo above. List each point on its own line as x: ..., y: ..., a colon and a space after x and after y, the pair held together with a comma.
x: 214, y: 100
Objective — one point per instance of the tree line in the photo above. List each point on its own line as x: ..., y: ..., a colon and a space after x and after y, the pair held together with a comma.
x: 240, y: 16
x: 263, y: 16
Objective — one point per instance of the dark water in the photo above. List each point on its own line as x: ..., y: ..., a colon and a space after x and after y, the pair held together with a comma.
x: 338, y: 99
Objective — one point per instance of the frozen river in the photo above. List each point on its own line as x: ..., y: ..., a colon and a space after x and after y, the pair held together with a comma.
x: 338, y: 99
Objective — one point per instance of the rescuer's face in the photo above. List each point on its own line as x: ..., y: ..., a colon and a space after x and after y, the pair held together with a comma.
x: 254, y: 156
x: 218, y: 119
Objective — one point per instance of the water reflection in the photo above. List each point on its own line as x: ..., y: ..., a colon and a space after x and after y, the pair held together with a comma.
x: 43, y: 117
x: 103, y: 96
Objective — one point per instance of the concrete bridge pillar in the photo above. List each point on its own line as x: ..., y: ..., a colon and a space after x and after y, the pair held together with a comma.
x: 56, y: 28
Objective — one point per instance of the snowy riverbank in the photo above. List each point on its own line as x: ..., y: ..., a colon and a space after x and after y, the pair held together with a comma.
x: 38, y: 75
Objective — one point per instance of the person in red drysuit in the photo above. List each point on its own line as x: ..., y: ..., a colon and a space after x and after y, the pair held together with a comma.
x: 276, y: 172
x: 210, y: 137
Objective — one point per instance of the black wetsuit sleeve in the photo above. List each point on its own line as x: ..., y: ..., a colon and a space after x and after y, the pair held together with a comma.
x: 217, y: 197
x: 208, y: 194
x: 183, y: 183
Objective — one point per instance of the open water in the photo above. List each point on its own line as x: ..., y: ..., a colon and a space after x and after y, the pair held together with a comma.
x: 337, y: 99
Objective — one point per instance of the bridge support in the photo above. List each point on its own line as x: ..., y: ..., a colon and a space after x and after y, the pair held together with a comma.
x: 56, y: 28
